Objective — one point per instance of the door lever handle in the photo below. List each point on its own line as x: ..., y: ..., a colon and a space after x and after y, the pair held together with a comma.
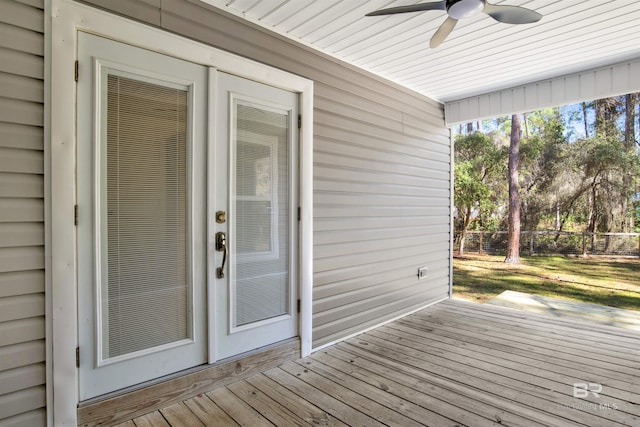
x: 221, y: 246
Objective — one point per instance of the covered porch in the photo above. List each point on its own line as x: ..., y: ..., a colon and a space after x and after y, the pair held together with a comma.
x: 455, y: 363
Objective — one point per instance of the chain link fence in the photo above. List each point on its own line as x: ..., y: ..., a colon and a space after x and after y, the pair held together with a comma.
x: 553, y: 243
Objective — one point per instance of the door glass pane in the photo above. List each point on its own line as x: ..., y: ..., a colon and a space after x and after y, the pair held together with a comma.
x: 145, y: 300
x: 261, y: 213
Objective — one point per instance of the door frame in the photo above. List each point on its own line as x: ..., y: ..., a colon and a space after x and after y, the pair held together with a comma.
x: 64, y: 19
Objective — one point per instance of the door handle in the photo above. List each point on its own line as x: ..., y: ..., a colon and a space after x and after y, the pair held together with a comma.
x: 221, y: 246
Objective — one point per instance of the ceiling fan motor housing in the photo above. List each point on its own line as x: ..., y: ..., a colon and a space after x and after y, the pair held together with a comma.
x: 459, y: 9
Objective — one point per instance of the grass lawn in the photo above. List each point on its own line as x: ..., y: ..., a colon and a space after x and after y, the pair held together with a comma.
x: 611, y: 282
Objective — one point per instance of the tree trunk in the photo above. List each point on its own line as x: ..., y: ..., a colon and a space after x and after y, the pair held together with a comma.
x: 601, y: 113
x: 513, y: 242
x: 463, y: 234
x: 629, y: 139
x: 463, y: 237
x: 586, y: 124
x: 593, y: 215
x: 629, y: 123
x: 557, y: 213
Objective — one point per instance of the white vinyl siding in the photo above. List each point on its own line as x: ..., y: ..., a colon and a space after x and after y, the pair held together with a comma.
x: 22, y: 301
x: 381, y: 175
x: 614, y: 80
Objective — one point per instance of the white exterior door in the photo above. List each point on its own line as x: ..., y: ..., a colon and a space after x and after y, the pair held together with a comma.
x: 255, y: 188
x: 141, y: 199
x: 180, y: 169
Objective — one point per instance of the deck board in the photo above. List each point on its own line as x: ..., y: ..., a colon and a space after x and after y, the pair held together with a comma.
x: 152, y: 419
x: 526, y: 359
x: 452, y: 364
x: 542, y: 333
x: 208, y: 412
x: 237, y: 409
x: 307, y: 411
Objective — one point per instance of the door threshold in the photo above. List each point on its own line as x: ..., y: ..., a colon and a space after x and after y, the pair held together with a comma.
x: 126, y: 404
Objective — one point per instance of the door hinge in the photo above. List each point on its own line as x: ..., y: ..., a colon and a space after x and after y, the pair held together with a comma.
x: 75, y: 70
x: 299, y: 121
x: 75, y: 215
x: 77, y: 357
x: 298, y: 306
x: 299, y: 213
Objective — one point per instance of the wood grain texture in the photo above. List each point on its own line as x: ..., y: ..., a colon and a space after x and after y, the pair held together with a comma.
x: 241, y: 412
x: 265, y: 405
x: 208, y: 412
x: 302, y: 408
x: 152, y: 419
x: 179, y: 414
x: 139, y: 402
x: 420, y: 371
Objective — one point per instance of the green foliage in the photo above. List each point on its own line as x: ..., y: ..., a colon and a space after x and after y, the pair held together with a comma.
x: 609, y: 170
x: 479, y: 165
x: 567, y: 181
x: 542, y: 158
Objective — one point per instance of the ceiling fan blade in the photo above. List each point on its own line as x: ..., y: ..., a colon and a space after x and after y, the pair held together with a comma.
x: 511, y: 14
x: 442, y: 33
x: 440, y: 5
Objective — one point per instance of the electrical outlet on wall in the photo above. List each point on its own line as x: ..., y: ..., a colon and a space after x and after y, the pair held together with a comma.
x: 422, y: 272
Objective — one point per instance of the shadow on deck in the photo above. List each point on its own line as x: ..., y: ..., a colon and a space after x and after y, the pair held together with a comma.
x: 453, y: 364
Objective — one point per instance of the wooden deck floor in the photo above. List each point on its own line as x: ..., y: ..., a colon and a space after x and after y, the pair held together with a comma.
x: 453, y: 364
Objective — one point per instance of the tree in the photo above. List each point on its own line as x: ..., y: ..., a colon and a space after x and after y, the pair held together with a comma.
x: 513, y: 242
x: 629, y: 142
x: 566, y: 178
x: 541, y: 163
x: 478, y: 162
x: 586, y: 120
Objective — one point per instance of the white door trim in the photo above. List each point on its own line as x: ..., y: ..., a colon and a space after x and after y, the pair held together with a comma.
x: 66, y: 18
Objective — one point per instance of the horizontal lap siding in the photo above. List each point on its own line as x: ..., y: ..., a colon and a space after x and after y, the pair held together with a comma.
x: 381, y: 174
x: 22, y: 300
x: 381, y: 208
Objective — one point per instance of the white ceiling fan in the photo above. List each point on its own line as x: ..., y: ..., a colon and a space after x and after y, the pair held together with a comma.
x: 460, y: 9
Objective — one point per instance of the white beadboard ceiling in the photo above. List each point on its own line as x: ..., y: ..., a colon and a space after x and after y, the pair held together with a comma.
x: 480, y: 56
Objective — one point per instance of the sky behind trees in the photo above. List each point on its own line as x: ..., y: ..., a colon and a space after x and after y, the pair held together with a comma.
x: 579, y: 169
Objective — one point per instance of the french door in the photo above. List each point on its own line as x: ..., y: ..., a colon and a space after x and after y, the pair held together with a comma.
x: 178, y: 167
x: 255, y: 188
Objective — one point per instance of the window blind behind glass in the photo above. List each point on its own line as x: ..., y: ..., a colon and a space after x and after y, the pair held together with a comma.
x: 262, y: 214
x: 146, y: 302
